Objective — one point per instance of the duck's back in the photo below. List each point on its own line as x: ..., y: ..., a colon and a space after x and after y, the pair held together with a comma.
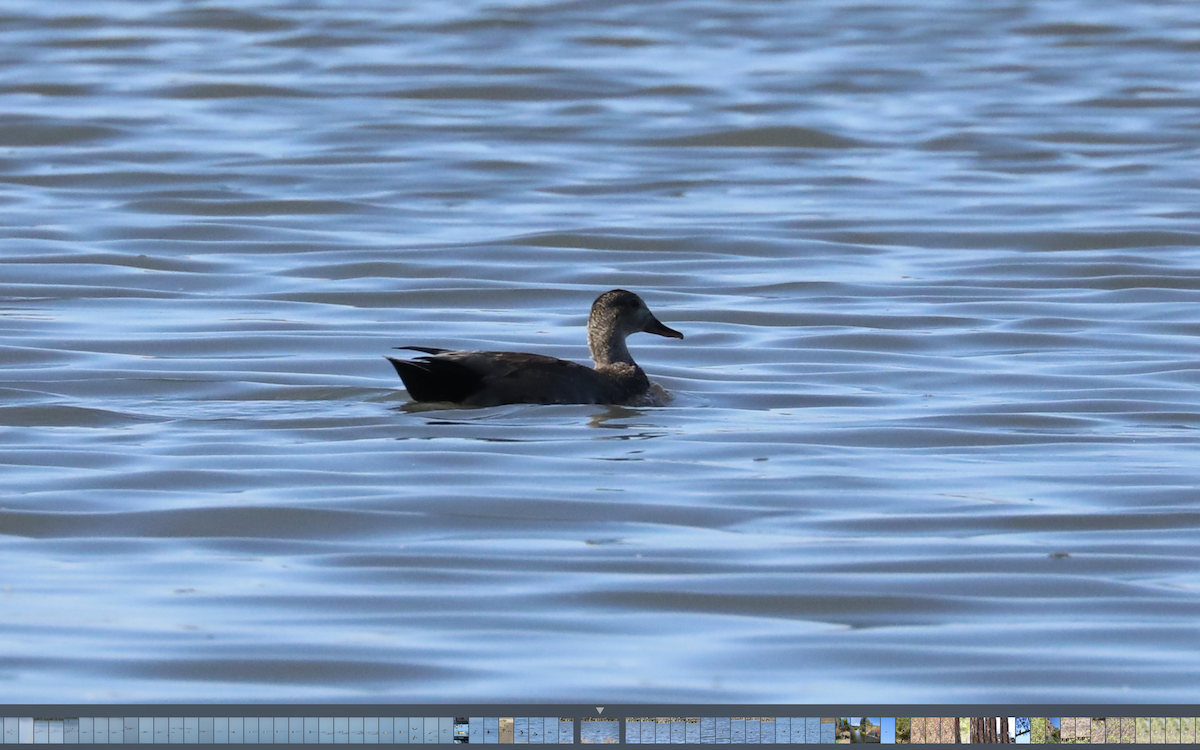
x: 494, y: 378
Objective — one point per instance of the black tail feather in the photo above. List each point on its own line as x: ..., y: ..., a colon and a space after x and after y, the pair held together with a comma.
x: 432, y: 379
x: 425, y: 349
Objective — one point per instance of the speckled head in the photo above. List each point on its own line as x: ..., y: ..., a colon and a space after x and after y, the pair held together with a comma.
x: 615, y: 315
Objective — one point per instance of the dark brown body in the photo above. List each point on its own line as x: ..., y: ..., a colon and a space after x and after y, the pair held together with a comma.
x: 493, y: 378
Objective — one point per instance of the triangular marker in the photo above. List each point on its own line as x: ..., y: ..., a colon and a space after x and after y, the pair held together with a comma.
x: 599, y: 709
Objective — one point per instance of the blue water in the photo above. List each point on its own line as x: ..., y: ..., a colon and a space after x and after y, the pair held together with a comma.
x: 600, y: 732
x: 934, y: 427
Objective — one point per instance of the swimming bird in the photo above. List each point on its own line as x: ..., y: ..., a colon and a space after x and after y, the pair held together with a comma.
x: 493, y: 378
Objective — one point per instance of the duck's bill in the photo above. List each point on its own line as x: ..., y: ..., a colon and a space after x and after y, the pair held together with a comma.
x: 656, y: 327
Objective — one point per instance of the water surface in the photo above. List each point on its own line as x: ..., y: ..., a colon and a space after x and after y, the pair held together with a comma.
x: 934, y: 428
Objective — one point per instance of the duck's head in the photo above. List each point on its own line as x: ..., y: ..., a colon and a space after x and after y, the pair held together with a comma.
x: 625, y: 313
x: 617, y: 314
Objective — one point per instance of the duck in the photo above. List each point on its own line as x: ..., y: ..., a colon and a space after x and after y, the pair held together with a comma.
x: 484, y: 378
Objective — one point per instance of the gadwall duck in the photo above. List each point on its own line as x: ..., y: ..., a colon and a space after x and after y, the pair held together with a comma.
x: 492, y: 378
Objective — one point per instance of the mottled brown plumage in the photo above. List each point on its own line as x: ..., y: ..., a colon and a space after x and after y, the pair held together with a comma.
x: 492, y: 378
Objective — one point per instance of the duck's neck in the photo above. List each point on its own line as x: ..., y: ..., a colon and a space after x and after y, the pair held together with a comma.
x: 608, y: 348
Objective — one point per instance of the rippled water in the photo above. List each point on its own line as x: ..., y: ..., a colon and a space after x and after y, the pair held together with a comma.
x: 600, y: 732
x: 934, y: 435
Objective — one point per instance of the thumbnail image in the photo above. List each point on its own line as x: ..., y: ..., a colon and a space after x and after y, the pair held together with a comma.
x: 1037, y: 730
x: 677, y: 729
x: 1174, y: 730
x: 1068, y: 729
x: 843, y: 733
x: 1172, y: 734
x: 737, y: 730
x: 783, y: 730
x: 1053, y: 730
x: 521, y: 730
x: 506, y: 730
x: 1158, y: 730
x: 812, y: 730
x: 1142, y: 729
x: 887, y: 730
x: 856, y: 730
x: 828, y: 730
x: 1083, y: 729
x: 799, y: 723
x: 1098, y: 730
x: 764, y: 730
x: 1187, y: 730
x: 599, y: 731
x: 948, y: 727
x: 939, y: 730
x: 660, y: 730
x: 1023, y: 729
x: 760, y: 729
x: 633, y: 729
x: 1118, y: 730
x: 933, y: 730
x: 650, y: 729
x: 566, y: 730
x: 797, y: 733
x: 988, y: 730
x: 917, y: 730
x: 724, y: 729
x: 669, y: 729
x: 691, y: 731
x: 903, y: 730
